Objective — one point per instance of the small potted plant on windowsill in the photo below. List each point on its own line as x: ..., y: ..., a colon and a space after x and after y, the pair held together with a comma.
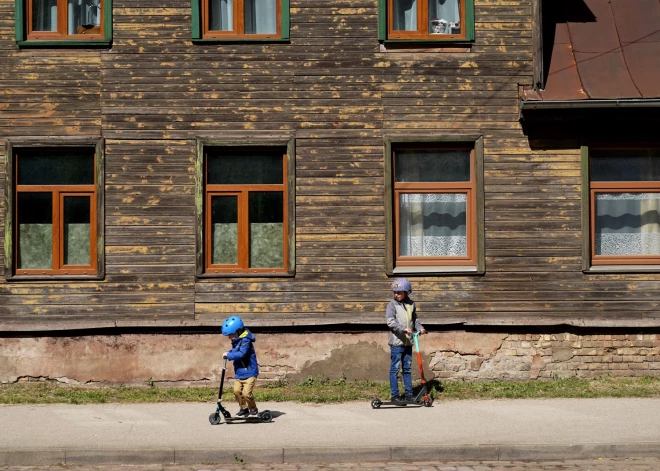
x: 438, y: 26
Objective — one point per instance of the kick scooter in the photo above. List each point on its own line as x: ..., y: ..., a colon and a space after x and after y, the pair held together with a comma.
x: 220, y: 412
x: 423, y: 398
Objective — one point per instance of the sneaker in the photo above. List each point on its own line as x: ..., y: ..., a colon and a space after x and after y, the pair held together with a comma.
x: 254, y: 412
x: 409, y: 398
x: 242, y: 413
x: 396, y: 399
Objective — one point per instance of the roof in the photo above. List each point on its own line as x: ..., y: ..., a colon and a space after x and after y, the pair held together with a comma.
x: 600, y: 50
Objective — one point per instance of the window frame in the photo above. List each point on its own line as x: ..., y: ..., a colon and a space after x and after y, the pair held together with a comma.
x: 591, y: 261
x: 474, y: 261
x: 204, y: 193
x: 388, y: 35
x: 96, y: 269
x: 24, y: 36
x: 201, y: 32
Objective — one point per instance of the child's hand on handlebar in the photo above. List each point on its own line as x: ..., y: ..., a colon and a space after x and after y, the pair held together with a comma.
x: 224, y: 355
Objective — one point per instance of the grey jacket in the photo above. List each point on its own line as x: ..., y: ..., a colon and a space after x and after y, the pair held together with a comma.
x: 399, y: 317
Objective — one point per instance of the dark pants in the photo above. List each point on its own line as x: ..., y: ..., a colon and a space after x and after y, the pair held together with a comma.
x: 401, y: 356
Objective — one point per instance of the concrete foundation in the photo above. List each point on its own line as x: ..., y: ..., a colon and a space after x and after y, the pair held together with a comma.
x: 133, y: 359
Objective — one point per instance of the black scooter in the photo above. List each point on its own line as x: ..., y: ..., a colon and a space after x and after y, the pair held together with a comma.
x: 423, y: 398
x: 220, y: 412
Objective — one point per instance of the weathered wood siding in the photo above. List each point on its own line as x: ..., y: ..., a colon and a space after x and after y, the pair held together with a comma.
x: 154, y: 91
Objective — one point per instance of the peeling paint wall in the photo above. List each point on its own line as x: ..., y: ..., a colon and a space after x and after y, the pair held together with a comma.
x: 195, y: 358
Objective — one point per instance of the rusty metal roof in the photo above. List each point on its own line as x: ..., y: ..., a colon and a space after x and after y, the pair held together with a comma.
x: 600, y: 50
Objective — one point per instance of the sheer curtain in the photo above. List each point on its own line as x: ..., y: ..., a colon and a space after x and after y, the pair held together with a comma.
x: 83, y: 12
x: 432, y: 225
x: 260, y: 16
x: 44, y: 15
x: 222, y: 15
x: 448, y: 10
x: 627, y: 224
x: 405, y: 15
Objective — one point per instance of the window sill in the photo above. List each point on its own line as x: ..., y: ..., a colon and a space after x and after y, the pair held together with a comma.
x: 212, y: 276
x: 54, y: 277
x: 441, y: 270
x: 423, y: 45
x: 239, y: 40
x: 623, y: 269
x: 73, y: 43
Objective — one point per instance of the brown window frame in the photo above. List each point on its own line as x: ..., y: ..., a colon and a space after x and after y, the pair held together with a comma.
x: 239, y: 23
x: 469, y: 187
x: 58, y: 193
x: 242, y: 191
x: 97, y: 32
x: 617, y: 187
x: 422, y: 22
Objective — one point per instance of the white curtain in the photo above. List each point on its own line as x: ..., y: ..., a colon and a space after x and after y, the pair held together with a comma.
x: 83, y: 12
x: 44, y: 16
x: 260, y: 16
x: 627, y: 224
x: 432, y: 225
x: 405, y: 15
x: 448, y: 10
x: 222, y: 15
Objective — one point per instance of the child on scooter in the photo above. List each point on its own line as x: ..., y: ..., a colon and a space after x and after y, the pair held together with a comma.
x: 401, y: 317
x: 246, y: 368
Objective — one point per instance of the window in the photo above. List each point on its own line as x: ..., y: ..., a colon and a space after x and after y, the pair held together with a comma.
x: 624, y: 206
x: 246, y: 209
x: 427, y: 20
x: 241, y: 19
x: 73, y: 21
x: 55, y: 211
x: 436, y: 194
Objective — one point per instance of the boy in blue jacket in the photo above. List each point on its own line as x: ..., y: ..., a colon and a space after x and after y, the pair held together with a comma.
x: 246, y: 368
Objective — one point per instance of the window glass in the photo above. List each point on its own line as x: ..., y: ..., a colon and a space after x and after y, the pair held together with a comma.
x: 625, y: 165
x: 44, y: 15
x: 224, y: 230
x: 83, y: 15
x: 221, y: 15
x: 48, y: 167
x: 433, y: 225
x: 260, y: 16
x: 405, y: 15
x: 266, y: 218
x: 228, y: 168
x: 35, y: 230
x: 444, y: 17
x: 627, y: 224
x: 432, y: 165
x: 77, y: 210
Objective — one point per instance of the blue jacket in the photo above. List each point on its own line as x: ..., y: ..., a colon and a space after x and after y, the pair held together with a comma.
x: 244, y: 357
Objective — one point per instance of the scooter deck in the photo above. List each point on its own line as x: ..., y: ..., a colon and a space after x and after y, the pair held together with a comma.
x: 376, y: 403
x: 263, y: 416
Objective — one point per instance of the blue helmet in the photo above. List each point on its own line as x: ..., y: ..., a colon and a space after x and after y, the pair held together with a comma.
x: 401, y: 284
x: 232, y: 325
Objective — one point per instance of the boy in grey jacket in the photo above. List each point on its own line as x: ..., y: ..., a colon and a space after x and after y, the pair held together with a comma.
x: 401, y: 318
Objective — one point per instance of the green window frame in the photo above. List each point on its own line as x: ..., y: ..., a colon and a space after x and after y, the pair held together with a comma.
x: 201, y: 34
x: 67, y: 230
x: 386, y: 33
x: 103, y: 38
x: 233, y: 196
x: 474, y: 262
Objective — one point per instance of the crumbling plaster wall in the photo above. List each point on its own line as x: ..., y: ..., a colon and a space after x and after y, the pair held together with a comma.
x: 195, y: 358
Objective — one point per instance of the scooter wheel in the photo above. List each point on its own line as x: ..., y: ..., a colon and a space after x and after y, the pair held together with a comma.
x: 266, y: 416
x: 376, y: 403
x: 215, y: 418
x: 428, y: 403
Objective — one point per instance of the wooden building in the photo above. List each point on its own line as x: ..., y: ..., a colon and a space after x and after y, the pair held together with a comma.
x: 168, y: 164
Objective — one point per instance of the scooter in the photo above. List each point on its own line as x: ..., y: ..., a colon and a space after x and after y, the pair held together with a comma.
x: 220, y: 412
x: 423, y: 398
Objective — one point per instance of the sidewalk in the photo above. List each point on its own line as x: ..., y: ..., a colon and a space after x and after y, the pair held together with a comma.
x: 33, y: 435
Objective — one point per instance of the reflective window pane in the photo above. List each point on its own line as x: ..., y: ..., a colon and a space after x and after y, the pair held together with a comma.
x: 405, y: 15
x: 51, y: 167
x: 411, y: 165
x: 35, y: 231
x: 224, y: 230
x: 221, y: 15
x: 266, y: 217
x: 44, y: 15
x: 627, y: 224
x: 82, y: 15
x: 233, y: 168
x: 616, y: 165
x: 432, y: 225
x: 260, y: 16
x: 444, y: 17
x: 77, y: 215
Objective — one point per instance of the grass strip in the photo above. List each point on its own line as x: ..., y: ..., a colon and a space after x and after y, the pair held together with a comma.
x: 321, y: 390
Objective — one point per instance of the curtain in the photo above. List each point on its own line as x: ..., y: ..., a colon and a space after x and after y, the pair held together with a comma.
x: 260, y: 16
x: 44, y: 15
x: 222, y: 15
x: 83, y: 12
x: 405, y: 15
x: 448, y: 10
x: 432, y: 225
x: 627, y: 224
